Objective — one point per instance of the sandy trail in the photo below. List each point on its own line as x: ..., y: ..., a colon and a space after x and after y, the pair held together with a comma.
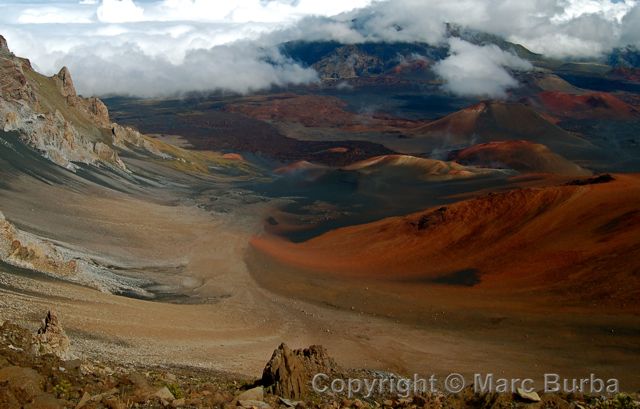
x: 240, y: 323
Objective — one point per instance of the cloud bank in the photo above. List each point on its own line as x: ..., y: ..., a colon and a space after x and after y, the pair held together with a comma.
x: 472, y: 70
x: 241, y: 67
x: 155, y: 47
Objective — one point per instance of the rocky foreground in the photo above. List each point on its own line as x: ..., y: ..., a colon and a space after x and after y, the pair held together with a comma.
x: 39, y: 371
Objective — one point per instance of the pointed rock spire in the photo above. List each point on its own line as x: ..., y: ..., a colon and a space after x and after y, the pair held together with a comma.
x: 66, y: 83
x: 52, y: 338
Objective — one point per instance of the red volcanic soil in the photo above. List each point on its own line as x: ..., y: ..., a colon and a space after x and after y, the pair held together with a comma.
x: 299, y: 166
x: 629, y: 74
x: 316, y: 111
x: 591, y: 105
x: 579, y: 245
x: 497, y: 121
x: 233, y: 156
x: 339, y: 149
x: 523, y: 156
x: 463, y: 122
x: 408, y: 167
x: 409, y: 66
x: 309, y: 110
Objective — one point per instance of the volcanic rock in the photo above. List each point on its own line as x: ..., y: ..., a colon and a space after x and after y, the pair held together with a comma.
x: 65, y: 83
x: 106, y: 154
x: 250, y: 404
x: 45, y: 401
x: 98, y: 110
x: 4, y: 47
x: 83, y: 401
x: 29, y: 251
x: 178, y: 403
x: 289, y: 372
x: 50, y: 117
x: 165, y: 394
x: 349, y: 62
x: 52, y: 338
x: 125, y: 137
x: 527, y: 396
x: 290, y: 403
x: 25, y: 383
x: 252, y: 394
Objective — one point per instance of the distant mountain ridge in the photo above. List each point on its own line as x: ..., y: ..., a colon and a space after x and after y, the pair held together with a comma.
x: 336, y: 60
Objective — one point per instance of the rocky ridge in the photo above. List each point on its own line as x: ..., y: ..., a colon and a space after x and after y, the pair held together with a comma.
x: 49, y: 116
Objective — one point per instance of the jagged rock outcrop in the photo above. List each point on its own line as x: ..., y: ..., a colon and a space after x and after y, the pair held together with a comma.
x: 27, y: 251
x: 125, y: 137
x: 65, y: 83
x: 289, y: 372
x: 13, y: 82
x: 58, y: 139
x: 50, y: 117
x: 92, y: 107
x: 51, y: 338
x: 3, y: 45
x: 97, y: 110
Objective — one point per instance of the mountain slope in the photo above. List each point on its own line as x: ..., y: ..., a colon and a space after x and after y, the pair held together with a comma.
x: 523, y: 156
x: 499, y: 121
x: 579, y: 238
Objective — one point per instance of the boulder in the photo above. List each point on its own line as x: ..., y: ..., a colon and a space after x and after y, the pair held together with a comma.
x: 252, y: 394
x: 178, y: 403
x: 45, y: 401
x: 51, y: 337
x: 165, y: 394
x: 527, y: 396
x: 24, y: 383
x: 86, y: 398
x: 251, y: 404
x: 289, y: 372
x: 291, y: 403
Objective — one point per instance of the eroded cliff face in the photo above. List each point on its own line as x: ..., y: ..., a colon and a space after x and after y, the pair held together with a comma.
x: 50, y: 117
x: 25, y: 250
x: 92, y: 108
x: 125, y: 137
x: 29, y: 251
x: 56, y: 137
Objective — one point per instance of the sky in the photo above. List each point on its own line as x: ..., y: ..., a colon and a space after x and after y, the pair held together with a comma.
x: 163, y: 47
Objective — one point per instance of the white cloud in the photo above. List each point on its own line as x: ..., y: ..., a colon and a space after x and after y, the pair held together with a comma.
x: 126, y: 70
x: 630, y: 32
x: 557, y: 28
x: 165, y: 33
x: 237, y: 11
x: 63, y: 14
x: 608, y: 9
x: 119, y: 11
x: 473, y: 70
